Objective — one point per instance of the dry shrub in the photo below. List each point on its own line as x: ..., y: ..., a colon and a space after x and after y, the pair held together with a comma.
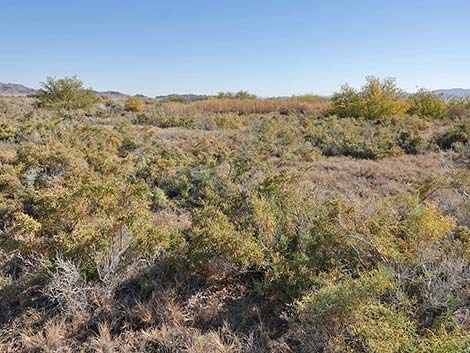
x: 52, y: 339
x: 67, y: 288
x: 103, y: 342
x: 134, y: 104
x: 260, y: 106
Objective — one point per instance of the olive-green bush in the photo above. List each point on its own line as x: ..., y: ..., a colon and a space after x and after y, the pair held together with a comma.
x: 428, y: 104
x: 65, y: 93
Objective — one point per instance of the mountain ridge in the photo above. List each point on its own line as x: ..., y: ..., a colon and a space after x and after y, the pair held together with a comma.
x: 17, y: 89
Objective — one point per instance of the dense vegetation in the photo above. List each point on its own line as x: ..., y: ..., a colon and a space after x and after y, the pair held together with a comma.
x: 235, y: 224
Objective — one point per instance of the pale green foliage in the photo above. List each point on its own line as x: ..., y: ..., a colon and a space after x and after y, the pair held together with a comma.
x: 66, y: 93
x: 215, y: 237
x: 351, y: 313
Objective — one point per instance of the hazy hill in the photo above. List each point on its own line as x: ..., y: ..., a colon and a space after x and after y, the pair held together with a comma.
x: 14, y: 89
x: 190, y: 97
x: 454, y: 92
x: 111, y: 94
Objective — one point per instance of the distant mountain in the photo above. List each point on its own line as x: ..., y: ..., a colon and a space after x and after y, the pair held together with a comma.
x: 189, y: 97
x: 454, y: 92
x: 111, y: 94
x: 14, y: 89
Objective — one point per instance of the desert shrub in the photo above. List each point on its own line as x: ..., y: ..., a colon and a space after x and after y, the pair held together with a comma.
x: 309, y: 98
x: 355, y: 138
x: 134, y: 104
x: 427, y: 104
x: 301, y: 237
x: 410, y: 141
x: 351, y: 313
x: 3, y: 106
x: 459, y: 133
x: 7, y: 132
x: 376, y: 100
x: 175, y: 99
x: 66, y: 93
x: 444, y: 342
x: 215, y: 237
x: 347, y: 103
x: 279, y: 136
x: 237, y: 95
x: 459, y: 107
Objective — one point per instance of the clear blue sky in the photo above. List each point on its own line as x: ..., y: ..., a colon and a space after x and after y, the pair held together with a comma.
x: 267, y: 47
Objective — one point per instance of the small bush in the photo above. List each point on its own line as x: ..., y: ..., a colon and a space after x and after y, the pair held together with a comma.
x: 215, y: 237
x: 7, y: 132
x: 349, y: 314
x: 459, y: 107
x: 134, y: 104
x: 460, y: 133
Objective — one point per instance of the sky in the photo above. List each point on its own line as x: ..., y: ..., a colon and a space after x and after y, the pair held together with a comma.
x: 270, y: 48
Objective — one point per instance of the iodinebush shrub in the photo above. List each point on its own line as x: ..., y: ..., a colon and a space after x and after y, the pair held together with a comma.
x: 458, y: 134
x: 215, y: 237
x: 371, y: 312
x: 360, y: 138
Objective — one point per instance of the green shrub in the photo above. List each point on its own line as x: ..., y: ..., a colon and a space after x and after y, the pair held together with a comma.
x: 7, y: 132
x: 309, y: 98
x: 357, y: 138
x: 67, y: 93
x: 342, y: 316
x: 460, y: 133
x: 377, y: 99
x: 410, y: 141
x: 215, y: 237
x: 237, y: 95
x: 427, y: 104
